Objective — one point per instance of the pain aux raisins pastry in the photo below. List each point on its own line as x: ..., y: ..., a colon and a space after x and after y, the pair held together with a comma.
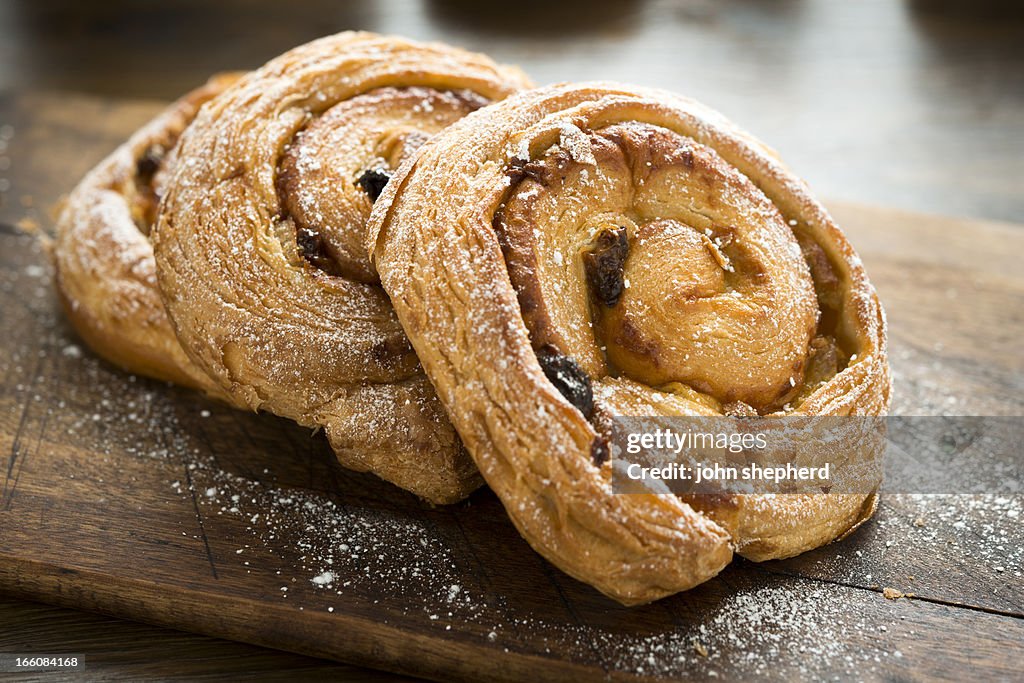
x: 105, y: 272
x: 259, y: 245
x: 578, y: 252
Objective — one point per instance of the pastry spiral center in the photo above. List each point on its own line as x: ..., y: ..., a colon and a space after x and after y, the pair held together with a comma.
x: 643, y: 254
x: 333, y: 171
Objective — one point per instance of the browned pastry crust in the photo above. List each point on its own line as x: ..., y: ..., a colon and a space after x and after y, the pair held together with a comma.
x: 259, y: 252
x: 635, y: 242
x: 105, y: 271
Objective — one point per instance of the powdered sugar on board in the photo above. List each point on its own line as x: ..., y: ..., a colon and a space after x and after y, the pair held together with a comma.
x: 319, y: 544
x: 317, y: 551
x: 348, y: 553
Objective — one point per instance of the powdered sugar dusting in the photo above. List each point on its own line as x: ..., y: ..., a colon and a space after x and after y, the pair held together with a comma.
x: 332, y: 550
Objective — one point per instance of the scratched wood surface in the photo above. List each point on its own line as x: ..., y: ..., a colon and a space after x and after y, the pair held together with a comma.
x: 130, y: 498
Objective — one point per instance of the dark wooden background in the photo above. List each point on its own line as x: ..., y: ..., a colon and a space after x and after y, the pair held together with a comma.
x: 914, y: 104
x: 918, y: 105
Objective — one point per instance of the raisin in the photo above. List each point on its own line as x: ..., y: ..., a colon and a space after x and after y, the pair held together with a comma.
x: 388, y: 351
x: 149, y: 163
x: 603, y: 263
x: 516, y: 170
x: 312, y: 248
x: 599, y: 451
x: 520, y: 169
x: 373, y: 181
x: 568, y: 377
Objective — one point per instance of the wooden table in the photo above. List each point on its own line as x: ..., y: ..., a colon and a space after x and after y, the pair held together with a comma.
x: 967, y: 611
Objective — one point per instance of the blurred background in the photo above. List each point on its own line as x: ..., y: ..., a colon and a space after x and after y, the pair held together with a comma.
x: 912, y: 104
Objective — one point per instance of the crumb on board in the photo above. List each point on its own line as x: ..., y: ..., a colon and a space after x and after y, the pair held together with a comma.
x: 29, y: 225
x: 893, y: 594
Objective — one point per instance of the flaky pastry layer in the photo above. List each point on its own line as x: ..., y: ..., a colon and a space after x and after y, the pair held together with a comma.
x: 258, y: 245
x: 578, y: 252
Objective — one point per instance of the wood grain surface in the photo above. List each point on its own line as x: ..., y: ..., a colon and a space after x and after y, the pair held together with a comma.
x: 133, y: 651
x: 131, y: 498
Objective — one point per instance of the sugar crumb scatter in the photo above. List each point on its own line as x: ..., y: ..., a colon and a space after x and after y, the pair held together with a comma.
x: 324, y: 549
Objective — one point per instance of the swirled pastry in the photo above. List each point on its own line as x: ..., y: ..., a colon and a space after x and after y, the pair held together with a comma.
x: 105, y: 273
x: 260, y: 255
x: 583, y: 251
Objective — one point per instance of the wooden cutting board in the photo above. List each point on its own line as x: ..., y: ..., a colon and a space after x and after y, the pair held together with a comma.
x: 136, y: 499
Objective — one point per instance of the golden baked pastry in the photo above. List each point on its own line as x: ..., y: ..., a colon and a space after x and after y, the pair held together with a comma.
x: 105, y: 272
x: 259, y: 245
x: 582, y: 251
